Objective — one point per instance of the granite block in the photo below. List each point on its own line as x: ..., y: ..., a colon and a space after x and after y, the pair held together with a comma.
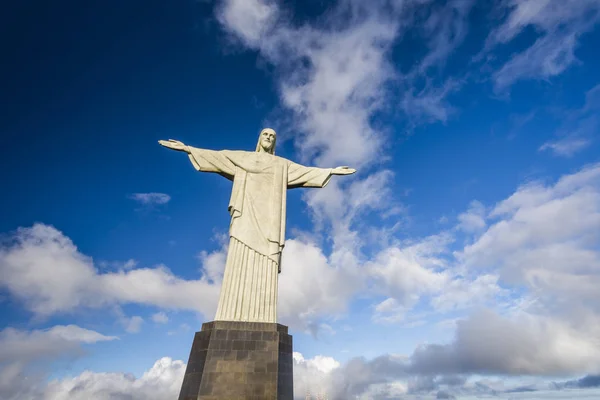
x: 239, y: 360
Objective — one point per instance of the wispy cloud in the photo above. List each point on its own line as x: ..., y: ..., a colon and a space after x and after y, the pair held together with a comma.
x: 559, y: 26
x: 150, y: 199
x: 579, y: 127
x: 566, y: 147
x: 334, y: 76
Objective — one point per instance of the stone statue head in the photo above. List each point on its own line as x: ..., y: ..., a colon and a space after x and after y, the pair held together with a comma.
x: 266, y: 141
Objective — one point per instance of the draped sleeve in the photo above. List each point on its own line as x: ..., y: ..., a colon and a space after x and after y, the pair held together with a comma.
x: 212, y: 161
x: 301, y: 176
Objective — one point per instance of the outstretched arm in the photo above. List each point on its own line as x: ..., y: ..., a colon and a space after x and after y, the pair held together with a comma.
x: 342, y: 171
x: 204, y: 160
x: 301, y: 176
x: 174, y: 145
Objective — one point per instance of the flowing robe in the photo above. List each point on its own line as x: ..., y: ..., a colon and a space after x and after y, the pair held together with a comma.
x: 257, y: 230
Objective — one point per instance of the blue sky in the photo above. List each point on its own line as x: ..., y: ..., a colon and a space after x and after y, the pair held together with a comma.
x: 462, y: 260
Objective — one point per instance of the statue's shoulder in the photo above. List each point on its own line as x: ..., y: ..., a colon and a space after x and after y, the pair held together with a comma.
x: 280, y: 159
x: 237, y: 154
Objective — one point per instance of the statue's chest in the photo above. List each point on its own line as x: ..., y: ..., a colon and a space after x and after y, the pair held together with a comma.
x: 262, y: 165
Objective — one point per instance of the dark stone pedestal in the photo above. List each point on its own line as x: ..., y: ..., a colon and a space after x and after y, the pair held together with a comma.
x: 239, y: 360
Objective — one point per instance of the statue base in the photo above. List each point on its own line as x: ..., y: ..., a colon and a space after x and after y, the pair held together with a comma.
x: 239, y: 360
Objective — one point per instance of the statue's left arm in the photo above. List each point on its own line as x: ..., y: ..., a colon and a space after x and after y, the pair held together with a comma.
x: 301, y: 176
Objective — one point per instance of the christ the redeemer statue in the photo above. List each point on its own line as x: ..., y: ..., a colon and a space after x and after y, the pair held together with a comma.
x: 257, y: 230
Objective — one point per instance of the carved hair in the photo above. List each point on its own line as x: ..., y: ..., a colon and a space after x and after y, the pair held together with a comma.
x: 259, y: 147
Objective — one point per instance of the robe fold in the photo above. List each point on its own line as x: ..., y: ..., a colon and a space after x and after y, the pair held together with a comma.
x: 257, y: 230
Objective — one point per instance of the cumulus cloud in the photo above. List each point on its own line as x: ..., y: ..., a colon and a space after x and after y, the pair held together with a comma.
x: 527, y: 344
x: 473, y: 220
x: 407, y: 272
x: 310, y: 287
x: 314, y: 285
x: 544, y: 240
x: 162, y: 381
x: 21, y: 349
x: 546, y: 237
x: 561, y: 217
x: 461, y: 293
x: 313, y: 375
x: 390, y: 377
x: 160, y: 318
x: 42, y: 268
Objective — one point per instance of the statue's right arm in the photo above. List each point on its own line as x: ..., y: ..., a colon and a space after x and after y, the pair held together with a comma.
x: 204, y: 160
x: 174, y: 145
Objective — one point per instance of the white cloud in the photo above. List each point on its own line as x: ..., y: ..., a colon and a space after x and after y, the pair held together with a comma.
x: 487, y: 343
x: 41, y: 267
x: 546, y: 237
x: 134, y: 324
x: 314, y: 286
x: 407, y: 272
x: 429, y: 104
x: 386, y: 390
x: 160, y: 318
x: 248, y: 20
x: 130, y: 324
x: 20, y: 350
x: 333, y: 76
x: 162, y: 381
x: 313, y: 375
x: 213, y: 263
x: 578, y: 129
x: 473, y: 220
x: 20, y: 345
x: 150, y: 199
x: 422, y: 272
x: 462, y: 293
x: 311, y: 288
x: 566, y: 147
x: 544, y: 241
x: 445, y: 29
x: 337, y: 75
x: 559, y: 24
x: 389, y: 311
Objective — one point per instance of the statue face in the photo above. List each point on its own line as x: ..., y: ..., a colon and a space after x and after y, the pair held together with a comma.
x: 267, y: 140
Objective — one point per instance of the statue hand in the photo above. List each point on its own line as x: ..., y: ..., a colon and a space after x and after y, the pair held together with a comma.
x: 343, y: 171
x: 174, y: 144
